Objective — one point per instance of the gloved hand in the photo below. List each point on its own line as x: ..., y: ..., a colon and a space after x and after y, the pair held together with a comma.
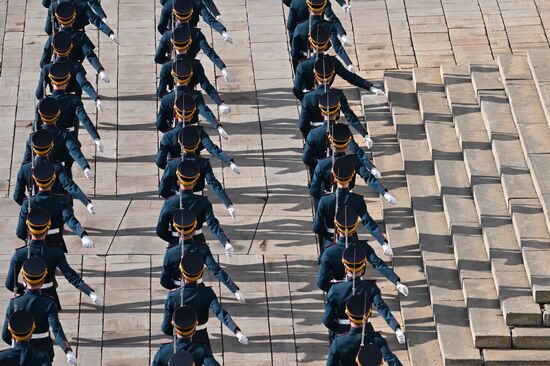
x: 224, y: 108
x: 390, y: 198
x: 87, y: 242
x: 218, y: 17
x: 231, y: 211
x: 235, y: 168
x: 351, y: 69
x: 377, y: 91
x: 98, y: 104
x: 376, y: 173
x: 114, y: 38
x: 71, y: 358
x: 387, y: 250
x: 347, y: 9
x: 229, y: 249
x: 227, y: 37
x: 345, y: 40
x: 88, y: 173
x: 368, y: 141
x: 240, y: 297
x: 225, y: 74
x: 402, y: 288
x: 222, y: 133
x: 104, y: 20
x: 99, y: 144
x: 90, y: 208
x: 104, y: 77
x: 242, y: 338
x: 95, y: 299
x: 400, y: 336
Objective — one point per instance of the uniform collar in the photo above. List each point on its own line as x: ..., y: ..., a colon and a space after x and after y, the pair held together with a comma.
x: 342, y: 240
x: 356, y: 330
x: 59, y: 92
x: 188, y: 192
x: 33, y: 292
x: 183, y: 341
x: 38, y: 243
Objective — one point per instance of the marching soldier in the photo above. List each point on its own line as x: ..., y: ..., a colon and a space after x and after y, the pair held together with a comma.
x: 323, y: 225
x: 43, y: 309
x: 344, y: 349
x: 78, y: 82
x: 84, y: 15
x: 188, y: 174
x: 189, y: 139
x: 38, y: 223
x: 354, y: 259
x: 185, y: 113
x: 321, y: 180
x: 298, y: 12
x: 21, y: 326
x: 171, y: 70
x: 57, y: 205
x: 199, y: 297
x: 184, y: 321
x: 93, y: 4
x: 184, y: 221
x: 82, y: 45
x: 42, y: 145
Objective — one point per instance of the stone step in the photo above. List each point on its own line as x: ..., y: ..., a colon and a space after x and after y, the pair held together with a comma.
x: 494, y: 357
x: 487, y: 191
x: 454, y: 337
x: 524, y: 83
x: 540, y: 71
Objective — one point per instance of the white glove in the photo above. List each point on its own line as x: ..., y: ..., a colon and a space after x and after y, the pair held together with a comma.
x: 104, y: 20
x: 95, y: 299
x: 368, y: 141
x: 88, y: 173
x: 114, y: 38
x: 346, y: 8
x: 71, y: 358
x: 375, y: 90
x: 387, y: 250
x: 99, y: 144
x: 229, y: 250
x: 351, y: 69
x: 376, y: 173
x: 235, y: 168
x: 87, y: 242
x: 242, y: 338
x: 231, y: 211
x: 218, y: 17
x: 224, y: 108
x: 225, y: 74
x: 222, y: 133
x: 346, y: 41
x: 403, y: 289
x: 390, y: 198
x: 227, y: 37
x: 400, y: 336
x: 90, y: 208
x: 104, y: 77
x: 98, y: 104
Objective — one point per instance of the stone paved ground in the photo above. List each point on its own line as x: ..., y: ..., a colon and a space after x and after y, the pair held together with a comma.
x: 276, y: 256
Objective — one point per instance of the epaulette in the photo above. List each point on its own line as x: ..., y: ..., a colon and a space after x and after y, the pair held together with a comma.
x: 330, y: 245
x: 26, y: 162
x: 23, y: 247
x: 369, y: 281
x: 16, y: 296
x: 176, y: 289
x: 49, y: 297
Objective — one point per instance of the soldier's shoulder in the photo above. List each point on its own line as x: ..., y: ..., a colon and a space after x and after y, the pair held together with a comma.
x: 21, y: 248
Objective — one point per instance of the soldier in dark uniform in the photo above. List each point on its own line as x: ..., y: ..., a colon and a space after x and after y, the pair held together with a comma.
x: 323, y: 225
x: 317, y: 143
x: 85, y: 14
x: 184, y: 321
x: 331, y: 267
x: 82, y: 45
x: 189, y: 140
x: 188, y: 173
x: 321, y: 181
x: 201, y: 298
x: 42, y: 145
x: 185, y: 113
x: 43, y: 309
x: 65, y: 147
x: 354, y: 259
x: 78, y: 82
x: 38, y: 223
x: 198, y: 43
x: 298, y: 13
x: 344, y: 349
x: 58, y: 207
x: 21, y: 326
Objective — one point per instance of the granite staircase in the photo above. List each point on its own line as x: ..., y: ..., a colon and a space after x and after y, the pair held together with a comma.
x: 475, y: 145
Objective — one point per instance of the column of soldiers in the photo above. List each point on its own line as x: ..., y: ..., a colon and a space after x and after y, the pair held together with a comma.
x: 333, y: 159
x: 45, y: 188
